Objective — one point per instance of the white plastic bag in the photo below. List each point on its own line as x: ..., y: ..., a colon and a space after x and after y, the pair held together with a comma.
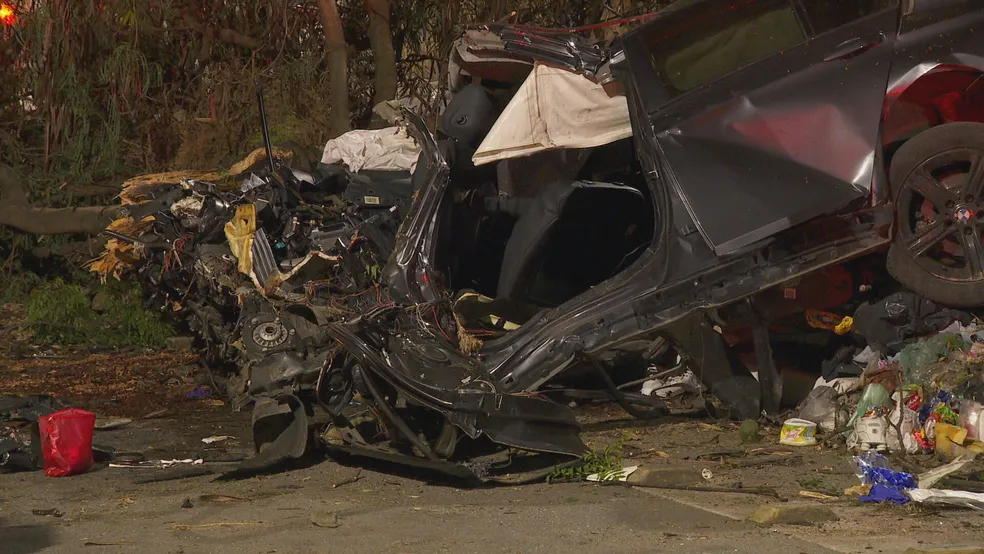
x: 966, y: 499
x: 390, y: 149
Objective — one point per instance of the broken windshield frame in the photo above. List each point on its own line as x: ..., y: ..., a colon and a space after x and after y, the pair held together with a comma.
x: 406, y: 272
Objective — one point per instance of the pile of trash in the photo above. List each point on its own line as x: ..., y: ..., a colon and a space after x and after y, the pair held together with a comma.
x: 915, y: 387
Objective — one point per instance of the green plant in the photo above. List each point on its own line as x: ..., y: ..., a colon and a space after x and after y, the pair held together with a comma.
x: 18, y: 286
x: 606, y: 463
x: 62, y: 313
x: 59, y: 312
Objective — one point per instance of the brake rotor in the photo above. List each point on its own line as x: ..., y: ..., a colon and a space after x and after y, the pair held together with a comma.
x: 264, y: 332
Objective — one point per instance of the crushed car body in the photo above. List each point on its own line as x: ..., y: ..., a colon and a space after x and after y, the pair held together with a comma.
x: 429, y: 318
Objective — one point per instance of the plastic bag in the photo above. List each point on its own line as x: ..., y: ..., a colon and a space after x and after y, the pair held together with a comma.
x: 875, y: 396
x: 931, y: 405
x: 889, y: 323
x: 965, y: 499
x: 873, y: 469
x: 820, y: 407
x: 66, y: 442
x: 916, y: 358
x: 885, y: 493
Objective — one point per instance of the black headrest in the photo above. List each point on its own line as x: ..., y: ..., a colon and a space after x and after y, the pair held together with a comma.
x: 470, y: 115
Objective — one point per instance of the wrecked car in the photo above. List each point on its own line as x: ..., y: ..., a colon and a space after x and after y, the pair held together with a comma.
x: 769, y: 140
x: 589, y: 211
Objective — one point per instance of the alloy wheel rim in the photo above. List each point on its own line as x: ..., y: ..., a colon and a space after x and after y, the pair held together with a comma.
x: 941, y: 215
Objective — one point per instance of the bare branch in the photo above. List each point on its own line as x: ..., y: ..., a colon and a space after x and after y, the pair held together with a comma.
x: 225, y: 35
x: 17, y: 212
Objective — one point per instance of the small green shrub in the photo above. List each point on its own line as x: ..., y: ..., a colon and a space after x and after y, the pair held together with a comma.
x: 18, y: 287
x: 606, y: 463
x: 62, y: 313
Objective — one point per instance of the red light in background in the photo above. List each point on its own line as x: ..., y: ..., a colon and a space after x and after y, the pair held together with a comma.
x: 7, y: 16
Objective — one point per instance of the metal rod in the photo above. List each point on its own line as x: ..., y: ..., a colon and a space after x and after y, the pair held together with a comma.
x: 266, y: 128
x: 651, y: 377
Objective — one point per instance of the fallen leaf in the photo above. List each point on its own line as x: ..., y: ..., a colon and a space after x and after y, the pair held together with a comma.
x: 858, y: 490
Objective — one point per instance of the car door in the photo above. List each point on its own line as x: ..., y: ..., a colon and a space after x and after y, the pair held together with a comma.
x: 766, y: 113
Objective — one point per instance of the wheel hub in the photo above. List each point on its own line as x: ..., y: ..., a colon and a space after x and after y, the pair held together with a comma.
x: 963, y: 215
x: 270, y: 334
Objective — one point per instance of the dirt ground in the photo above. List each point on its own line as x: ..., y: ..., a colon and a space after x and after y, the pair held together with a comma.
x: 130, y: 384
x: 326, y: 506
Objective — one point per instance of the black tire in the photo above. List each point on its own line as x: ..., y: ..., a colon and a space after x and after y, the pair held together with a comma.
x: 905, y: 262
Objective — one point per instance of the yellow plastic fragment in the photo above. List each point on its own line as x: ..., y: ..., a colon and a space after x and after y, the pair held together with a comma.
x: 952, y: 441
x: 239, y: 232
x: 118, y: 254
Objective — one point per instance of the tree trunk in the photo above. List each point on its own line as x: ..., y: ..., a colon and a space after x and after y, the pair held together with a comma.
x: 337, y: 65
x: 17, y: 212
x: 381, y: 39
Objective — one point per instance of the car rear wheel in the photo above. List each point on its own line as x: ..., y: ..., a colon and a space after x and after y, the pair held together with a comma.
x: 937, y: 180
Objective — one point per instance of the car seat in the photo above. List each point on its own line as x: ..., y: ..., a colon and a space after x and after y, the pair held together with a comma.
x: 570, y: 237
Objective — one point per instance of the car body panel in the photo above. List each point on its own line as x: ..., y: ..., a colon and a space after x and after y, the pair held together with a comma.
x: 953, y: 22
x: 925, y: 24
x: 736, y: 145
x: 442, y: 379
